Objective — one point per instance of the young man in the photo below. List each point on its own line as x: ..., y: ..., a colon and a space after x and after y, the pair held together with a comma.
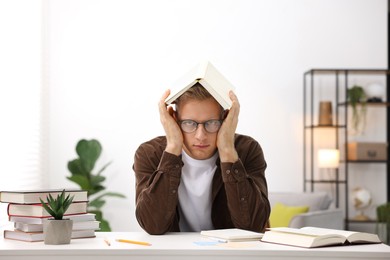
x: 201, y: 175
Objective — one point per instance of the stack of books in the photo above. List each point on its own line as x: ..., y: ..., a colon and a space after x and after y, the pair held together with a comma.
x: 27, y: 214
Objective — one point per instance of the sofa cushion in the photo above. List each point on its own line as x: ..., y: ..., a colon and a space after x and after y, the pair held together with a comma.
x: 314, y: 200
x: 282, y: 214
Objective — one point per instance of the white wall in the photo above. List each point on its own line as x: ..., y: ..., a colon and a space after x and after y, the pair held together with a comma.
x: 110, y: 61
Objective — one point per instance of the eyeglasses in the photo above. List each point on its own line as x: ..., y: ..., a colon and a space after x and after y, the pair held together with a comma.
x: 211, y: 126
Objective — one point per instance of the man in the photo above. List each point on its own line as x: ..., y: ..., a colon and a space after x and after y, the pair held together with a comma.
x: 201, y: 175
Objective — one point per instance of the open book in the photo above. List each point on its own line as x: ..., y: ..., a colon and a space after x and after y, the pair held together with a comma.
x: 232, y: 235
x: 210, y: 78
x: 317, y: 237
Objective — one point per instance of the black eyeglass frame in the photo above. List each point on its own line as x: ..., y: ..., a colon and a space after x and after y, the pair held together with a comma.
x: 197, y: 125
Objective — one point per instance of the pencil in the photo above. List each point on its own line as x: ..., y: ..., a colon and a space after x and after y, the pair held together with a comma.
x: 134, y: 242
x: 107, y: 242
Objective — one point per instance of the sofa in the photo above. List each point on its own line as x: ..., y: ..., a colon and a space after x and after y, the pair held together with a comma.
x: 299, y: 209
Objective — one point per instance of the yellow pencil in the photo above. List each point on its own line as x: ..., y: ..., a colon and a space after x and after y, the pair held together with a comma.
x: 133, y: 242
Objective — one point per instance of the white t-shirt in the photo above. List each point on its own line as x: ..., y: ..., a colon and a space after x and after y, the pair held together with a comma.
x: 195, y: 193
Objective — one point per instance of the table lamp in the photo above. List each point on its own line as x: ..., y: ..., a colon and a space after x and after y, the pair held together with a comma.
x: 328, y: 158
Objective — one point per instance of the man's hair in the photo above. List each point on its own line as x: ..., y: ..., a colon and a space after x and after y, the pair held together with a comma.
x: 196, y: 92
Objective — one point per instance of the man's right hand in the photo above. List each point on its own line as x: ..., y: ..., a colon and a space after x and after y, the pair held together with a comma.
x: 172, y: 130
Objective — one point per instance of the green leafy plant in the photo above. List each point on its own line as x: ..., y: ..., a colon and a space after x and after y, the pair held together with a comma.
x: 57, y: 207
x: 356, y: 96
x: 383, y: 216
x: 81, y: 169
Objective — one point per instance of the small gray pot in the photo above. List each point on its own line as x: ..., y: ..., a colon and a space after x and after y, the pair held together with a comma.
x: 57, y: 232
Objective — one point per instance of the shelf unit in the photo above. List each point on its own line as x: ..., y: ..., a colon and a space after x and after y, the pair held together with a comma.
x: 337, y: 83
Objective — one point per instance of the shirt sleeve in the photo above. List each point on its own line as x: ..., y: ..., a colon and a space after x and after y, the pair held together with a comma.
x: 246, y: 189
x: 157, y: 182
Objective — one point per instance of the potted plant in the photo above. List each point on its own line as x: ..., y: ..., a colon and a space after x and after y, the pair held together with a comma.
x: 57, y: 230
x: 82, y: 173
x: 383, y: 222
x: 356, y: 96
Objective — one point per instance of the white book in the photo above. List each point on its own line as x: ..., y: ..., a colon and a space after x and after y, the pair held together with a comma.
x: 38, y: 236
x: 210, y: 78
x: 36, y: 210
x: 39, y: 227
x: 317, y: 237
x: 232, y: 235
x: 33, y: 196
x: 35, y: 220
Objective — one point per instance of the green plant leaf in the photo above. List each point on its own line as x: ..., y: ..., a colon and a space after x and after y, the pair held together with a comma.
x: 111, y: 194
x: 57, y: 207
x: 97, y: 203
x: 96, y: 189
x: 104, y: 226
x: 103, y: 168
x: 98, y: 213
x: 88, y: 151
x: 82, y: 181
x: 76, y: 168
x: 96, y: 180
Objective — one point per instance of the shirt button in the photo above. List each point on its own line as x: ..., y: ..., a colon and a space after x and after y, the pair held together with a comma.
x: 242, y: 199
x: 177, y: 166
x: 236, y: 171
x: 173, y: 191
x: 227, y: 171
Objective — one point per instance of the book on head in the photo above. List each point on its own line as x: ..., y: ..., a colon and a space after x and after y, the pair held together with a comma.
x: 36, y: 210
x: 232, y: 234
x: 210, y: 78
x: 317, y: 237
x: 33, y: 196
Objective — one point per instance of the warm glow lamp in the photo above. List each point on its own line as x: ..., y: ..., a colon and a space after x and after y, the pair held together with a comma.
x: 328, y: 158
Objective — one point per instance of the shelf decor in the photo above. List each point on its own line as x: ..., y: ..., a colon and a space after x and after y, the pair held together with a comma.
x: 343, y: 88
x: 362, y: 199
x: 325, y: 118
x: 356, y: 97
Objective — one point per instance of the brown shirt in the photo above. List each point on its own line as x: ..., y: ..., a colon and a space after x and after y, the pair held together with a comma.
x: 239, y: 190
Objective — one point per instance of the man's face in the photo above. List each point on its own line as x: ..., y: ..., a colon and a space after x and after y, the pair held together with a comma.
x: 200, y: 144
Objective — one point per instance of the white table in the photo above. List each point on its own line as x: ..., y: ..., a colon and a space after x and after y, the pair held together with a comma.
x: 178, y: 246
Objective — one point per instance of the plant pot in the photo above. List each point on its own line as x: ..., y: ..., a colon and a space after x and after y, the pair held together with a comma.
x: 57, y: 232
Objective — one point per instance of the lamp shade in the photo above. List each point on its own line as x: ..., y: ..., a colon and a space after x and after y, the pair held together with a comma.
x: 328, y: 158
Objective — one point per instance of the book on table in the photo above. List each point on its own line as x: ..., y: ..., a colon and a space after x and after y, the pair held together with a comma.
x: 39, y: 220
x: 310, y: 237
x: 33, y: 196
x: 36, y: 210
x: 232, y: 235
x: 39, y: 236
x: 81, y: 225
x: 210, y: 78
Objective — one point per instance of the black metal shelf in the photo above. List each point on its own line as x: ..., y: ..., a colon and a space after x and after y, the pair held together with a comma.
x: 340, y: 128
x: 325, y: 181
x: 349, y: 71
x: 324, y: 126
x: 374, y: 221
x: 371, y: 104
x: 366, y: 161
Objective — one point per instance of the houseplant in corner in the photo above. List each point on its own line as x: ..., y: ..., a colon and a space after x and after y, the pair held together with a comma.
x: 383, y: 222
x: 356, y: 96
x: 81, y: 169
x: 57, y: 230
